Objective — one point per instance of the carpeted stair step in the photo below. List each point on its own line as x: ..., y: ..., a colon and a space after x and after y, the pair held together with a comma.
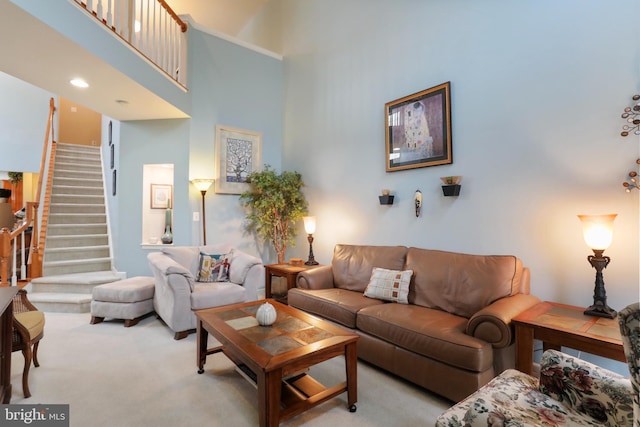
x: 70, y: 293
x: 75, y: 229
x: 78, y: 199
x: 77, y: 189
x: 56, y: 208
x: 74, y: 253
x: 75, y: 266
x: 61, y: 302
x: 80, y: 218
x: 76, y: 240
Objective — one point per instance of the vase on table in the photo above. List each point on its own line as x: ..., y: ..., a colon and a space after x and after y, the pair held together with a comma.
x: 167, y: 237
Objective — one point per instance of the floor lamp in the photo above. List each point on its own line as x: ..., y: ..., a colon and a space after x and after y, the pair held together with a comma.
x: 203, y: 185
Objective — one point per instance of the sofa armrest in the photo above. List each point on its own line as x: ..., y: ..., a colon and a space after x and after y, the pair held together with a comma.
x: 493, y: 323
x: 603, y: 395
x: 316, y: 278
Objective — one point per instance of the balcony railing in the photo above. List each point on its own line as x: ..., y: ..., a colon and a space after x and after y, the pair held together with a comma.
x: 149, y: 26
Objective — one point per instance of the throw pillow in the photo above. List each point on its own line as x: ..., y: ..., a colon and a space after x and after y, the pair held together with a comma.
x: 214, y: 267
x: 389, y: 285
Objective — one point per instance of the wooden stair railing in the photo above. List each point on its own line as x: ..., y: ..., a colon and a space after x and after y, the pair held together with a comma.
x: 150, y: 27
x: 8, y: 238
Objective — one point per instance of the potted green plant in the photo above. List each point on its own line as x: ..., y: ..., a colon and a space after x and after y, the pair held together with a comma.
x: 274, y: 202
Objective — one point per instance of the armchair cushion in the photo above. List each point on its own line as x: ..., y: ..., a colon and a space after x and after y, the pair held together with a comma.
x: 214, y: 267
x: 241, y: 264
x: 33, y: 321
x: 590, y: 389
x: 597, y: 397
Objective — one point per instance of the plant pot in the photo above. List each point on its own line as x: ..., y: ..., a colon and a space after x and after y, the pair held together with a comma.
x: 451, y: 190
x: 386, y: 200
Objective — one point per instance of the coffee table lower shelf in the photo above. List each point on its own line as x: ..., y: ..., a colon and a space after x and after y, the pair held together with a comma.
x: 298, y: 391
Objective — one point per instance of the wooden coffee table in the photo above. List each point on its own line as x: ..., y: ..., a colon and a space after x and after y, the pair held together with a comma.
x: 277, y: 357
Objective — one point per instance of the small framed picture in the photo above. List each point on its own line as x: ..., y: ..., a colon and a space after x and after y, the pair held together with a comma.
x: 238, y: 153
x: 114, y: 182
x: 110, y: 132
x: 113, y: 155
x: 419, y: 129
x: 161, y: 196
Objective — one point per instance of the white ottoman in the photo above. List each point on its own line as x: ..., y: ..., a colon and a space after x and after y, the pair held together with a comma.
x: 129, y: 299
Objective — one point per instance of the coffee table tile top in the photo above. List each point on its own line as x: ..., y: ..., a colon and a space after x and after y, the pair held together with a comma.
x: 279, y: 344
x: 287, y: 333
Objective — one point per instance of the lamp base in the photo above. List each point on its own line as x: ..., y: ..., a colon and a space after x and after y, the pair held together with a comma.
x: 601, y: 310
x: 311, y: 262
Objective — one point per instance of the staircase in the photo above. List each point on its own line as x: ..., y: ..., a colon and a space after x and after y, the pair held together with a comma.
x: 77, y: 254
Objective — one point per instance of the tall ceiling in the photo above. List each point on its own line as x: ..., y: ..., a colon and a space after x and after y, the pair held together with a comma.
x: 225, y: 16
x: 35, y: 47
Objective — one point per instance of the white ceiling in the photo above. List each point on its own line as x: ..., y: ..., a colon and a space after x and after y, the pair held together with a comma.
x: 34, y: 47
x: 225, y: 16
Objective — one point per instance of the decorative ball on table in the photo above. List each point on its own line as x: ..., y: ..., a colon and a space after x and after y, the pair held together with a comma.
x: 266, y: 314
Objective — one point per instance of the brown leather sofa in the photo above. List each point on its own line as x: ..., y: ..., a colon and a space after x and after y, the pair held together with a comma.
x: 455, y: 333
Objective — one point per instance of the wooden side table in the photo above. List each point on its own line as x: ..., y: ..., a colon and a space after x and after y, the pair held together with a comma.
x: 558, y: 325
x: 288, y: 271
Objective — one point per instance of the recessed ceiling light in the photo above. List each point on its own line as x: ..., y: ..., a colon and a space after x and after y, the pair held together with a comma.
x: 79, y: 83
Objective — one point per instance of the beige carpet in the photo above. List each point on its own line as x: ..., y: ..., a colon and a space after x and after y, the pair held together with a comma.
x: 139, y: 376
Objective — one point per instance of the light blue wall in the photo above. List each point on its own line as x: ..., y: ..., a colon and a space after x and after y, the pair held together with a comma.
x: 24, y: 111
x: 537, y: 86
x: 148, y: 142
x: 237, y: 87
x: 229, y: 85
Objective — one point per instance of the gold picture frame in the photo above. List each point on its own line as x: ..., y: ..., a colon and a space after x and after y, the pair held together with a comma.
x: 238, y: 154
x: 418, y: 129
x: 161, y: 196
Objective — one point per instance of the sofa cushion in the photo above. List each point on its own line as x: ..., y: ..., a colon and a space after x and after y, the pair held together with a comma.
x: 432, y: 333
x: 338, y: 305
x: 389, y: 285
x: 461, y: 284
x: 352, y: 265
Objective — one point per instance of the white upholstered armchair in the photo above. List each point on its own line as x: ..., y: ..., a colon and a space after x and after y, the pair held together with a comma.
x: 180, y: 288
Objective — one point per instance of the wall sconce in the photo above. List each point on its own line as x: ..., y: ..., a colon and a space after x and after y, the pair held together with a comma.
x: 386, y: 198
x: 203, y: 185
x: 310, y: 228
x: 417, y: 201
x: 598, y: 233
x: 632, y: 180
x: 451, y: 185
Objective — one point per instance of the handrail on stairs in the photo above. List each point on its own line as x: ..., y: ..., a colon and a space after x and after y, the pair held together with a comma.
x: 8, y: 238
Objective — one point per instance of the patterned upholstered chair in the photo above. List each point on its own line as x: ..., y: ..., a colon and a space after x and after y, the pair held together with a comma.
x: 28, y: 329
x: 570, y: 392
x: 629, y: 319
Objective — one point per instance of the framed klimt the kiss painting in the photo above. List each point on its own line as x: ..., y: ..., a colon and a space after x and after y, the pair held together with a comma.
x: 238, y: 154
x: 419, y: 129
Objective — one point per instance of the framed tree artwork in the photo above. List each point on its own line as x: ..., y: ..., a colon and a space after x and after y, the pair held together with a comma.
x: 419, y: 129
x: 238, y: 153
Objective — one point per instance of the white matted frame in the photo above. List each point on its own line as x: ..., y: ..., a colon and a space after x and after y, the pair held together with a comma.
x: 161, y: 196
x: 238, y: 153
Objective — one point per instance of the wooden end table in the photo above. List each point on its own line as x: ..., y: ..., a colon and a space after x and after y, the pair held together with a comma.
x: 558, y: 325
x: 288, y: 271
